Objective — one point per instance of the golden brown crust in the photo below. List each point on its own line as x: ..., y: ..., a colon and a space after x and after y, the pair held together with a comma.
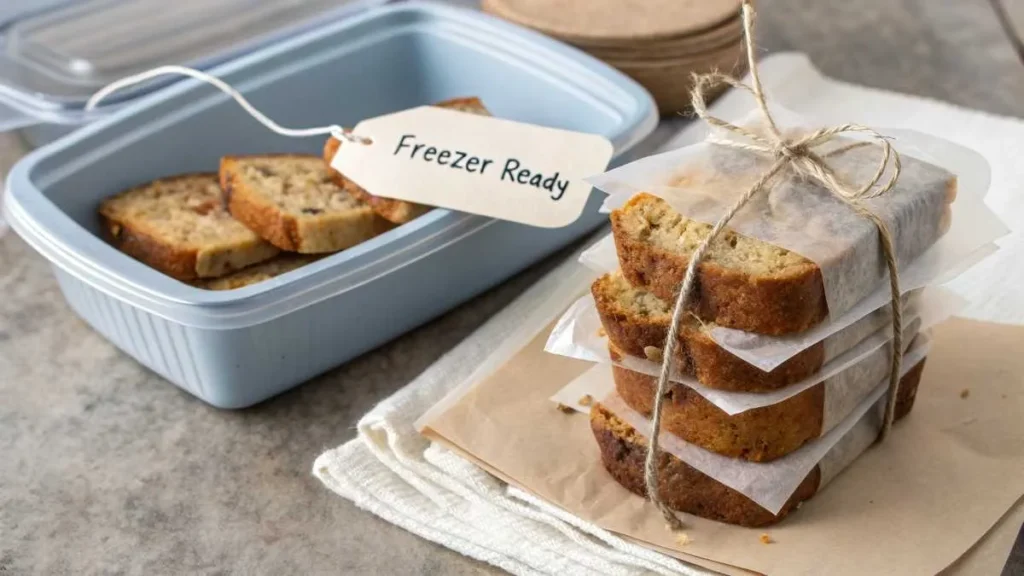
x: 760, y: 435
x: 330, y: 149
x: 766, y: 305
x: 697, y: 354
x: 682, y: 487
x: 176, y: 262
x: 686, y: 489
x: 395, y: 211
x: 462, y: 103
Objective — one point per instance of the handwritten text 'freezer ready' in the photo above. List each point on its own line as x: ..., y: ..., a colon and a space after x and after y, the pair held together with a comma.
x: 511, y: 170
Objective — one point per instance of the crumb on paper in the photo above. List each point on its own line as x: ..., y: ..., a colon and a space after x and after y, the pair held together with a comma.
x: 601, y: 332
x: 653, y: 353
x: 683, y: 539
x: 766, y: 539
x: 586, y: 400
x: 566, y: 409
x: 965, y: 393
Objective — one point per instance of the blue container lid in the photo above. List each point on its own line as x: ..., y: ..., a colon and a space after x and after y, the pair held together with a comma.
x: 54, y: 54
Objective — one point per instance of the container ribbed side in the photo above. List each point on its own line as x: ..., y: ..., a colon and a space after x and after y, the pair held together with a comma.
x: 158, y: 344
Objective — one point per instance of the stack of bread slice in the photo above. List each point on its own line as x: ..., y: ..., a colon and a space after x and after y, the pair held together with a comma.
x: 744, y: 284
x: 259, y: 217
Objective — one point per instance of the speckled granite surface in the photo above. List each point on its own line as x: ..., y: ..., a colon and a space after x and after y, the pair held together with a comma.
x: 107, y: 469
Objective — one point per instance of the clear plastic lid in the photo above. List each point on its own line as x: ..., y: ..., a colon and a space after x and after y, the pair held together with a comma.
x: 54, y: 54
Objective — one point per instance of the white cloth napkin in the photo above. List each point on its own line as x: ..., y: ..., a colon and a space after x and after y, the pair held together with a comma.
x: 393, y: 472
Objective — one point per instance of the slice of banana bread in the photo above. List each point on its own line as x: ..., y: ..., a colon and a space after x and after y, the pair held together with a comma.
x: 181, y: 227
x: 759, y: 435
x: 744, y: 283
x: 637, y: 323
x: 682, y: 487
x: 291, y: 201
x: 254, y: 274
x: 397, y: 211
x: 686, y: 489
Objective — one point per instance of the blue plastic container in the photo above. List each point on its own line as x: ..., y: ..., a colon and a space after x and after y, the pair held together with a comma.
x: 233, y: 349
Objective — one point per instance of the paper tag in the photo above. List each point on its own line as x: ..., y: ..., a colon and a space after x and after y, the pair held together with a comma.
x: 478, y: 164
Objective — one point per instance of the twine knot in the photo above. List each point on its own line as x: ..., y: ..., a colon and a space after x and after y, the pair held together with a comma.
x: 801, y: 157
x: 790, y: 151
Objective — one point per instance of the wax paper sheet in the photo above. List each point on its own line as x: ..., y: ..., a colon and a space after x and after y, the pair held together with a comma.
x: 577, y: 335
x: 952, y: 255
x: 769, y: 484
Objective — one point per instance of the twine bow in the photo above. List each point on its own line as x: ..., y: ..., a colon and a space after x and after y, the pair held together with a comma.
x: 799, y: 156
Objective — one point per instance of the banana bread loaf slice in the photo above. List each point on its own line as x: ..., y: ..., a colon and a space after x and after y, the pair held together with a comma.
x: 637, y: 323
x: 181, y: 227
x: 759, y: 435
x: 263, y: 271
x: 292, y: 202
x: 686, y: 489
x: 396, y: 211
x: 744, y: 283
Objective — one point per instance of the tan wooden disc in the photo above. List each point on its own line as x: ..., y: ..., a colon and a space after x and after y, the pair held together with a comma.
x: 689, y: 46
x: 615, y: 20
x: 723, y: 54
x: 727, y: 30
x: 670, y: 80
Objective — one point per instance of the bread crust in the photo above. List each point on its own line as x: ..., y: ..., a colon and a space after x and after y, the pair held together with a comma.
x: 394, y: 211
x: 767, y: 305
x: 176, y: 262
x: 759, y: 435
x: 697, y: 354
x: 285, y: 230
x: 182, y: 263
x: 684, y: 488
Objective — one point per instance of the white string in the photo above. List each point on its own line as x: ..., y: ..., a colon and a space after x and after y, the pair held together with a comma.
x: 333, y: 130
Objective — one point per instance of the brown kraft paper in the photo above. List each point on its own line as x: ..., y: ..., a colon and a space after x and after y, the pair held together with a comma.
x: 917, y: 504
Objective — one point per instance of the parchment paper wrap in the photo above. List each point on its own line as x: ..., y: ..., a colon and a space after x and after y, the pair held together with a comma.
x: 769, y: 484
x: 703, y: 180
x: 576, y: 335
x: 954, y: 253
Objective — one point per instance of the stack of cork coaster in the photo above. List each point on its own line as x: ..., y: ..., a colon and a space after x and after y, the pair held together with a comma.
x: 659, y: 43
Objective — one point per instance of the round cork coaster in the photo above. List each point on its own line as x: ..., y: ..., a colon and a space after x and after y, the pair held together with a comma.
x: 727, y: 30
x: 671, y: 80
x: 583, y: 21
x: 682, y: 48
x: 716, y: 57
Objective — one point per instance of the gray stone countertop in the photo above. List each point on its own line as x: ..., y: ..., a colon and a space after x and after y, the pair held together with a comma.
x: 107, y: 469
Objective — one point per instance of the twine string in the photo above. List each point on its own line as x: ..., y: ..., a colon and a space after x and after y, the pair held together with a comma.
x: 798, y: 157
x: 174, y: 70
